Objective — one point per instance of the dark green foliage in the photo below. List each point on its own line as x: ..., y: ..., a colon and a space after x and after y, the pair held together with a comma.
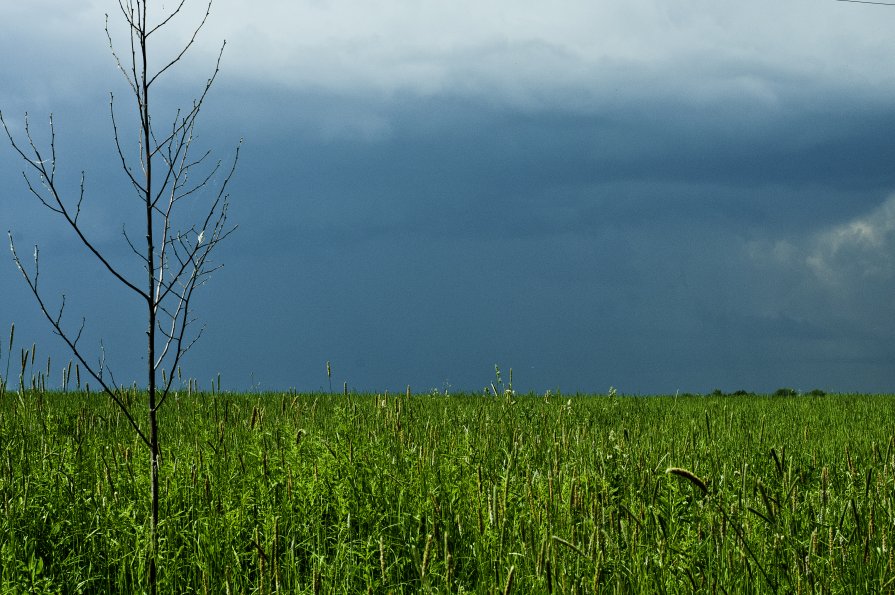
x: 786, y: 392
x: 367, y: 493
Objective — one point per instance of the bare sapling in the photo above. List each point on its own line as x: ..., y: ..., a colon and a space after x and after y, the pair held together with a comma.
x: 171, y: 182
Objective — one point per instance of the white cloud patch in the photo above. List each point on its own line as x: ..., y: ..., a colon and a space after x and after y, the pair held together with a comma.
x: 852, y: 253
x: 841, y: 277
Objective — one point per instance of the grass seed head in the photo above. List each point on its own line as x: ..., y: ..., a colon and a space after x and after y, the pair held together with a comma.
x: 689, y: 476
x: 425, y: 565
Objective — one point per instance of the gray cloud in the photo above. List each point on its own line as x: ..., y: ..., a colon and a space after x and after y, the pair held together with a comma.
x: 652, y: 196
x: 844, y: 271
x: 520, y: 53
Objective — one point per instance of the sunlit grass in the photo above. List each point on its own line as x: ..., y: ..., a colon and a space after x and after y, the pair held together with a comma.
x: 373, y: 493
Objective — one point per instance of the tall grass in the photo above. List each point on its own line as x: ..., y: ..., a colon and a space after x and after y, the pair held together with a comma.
x: 324, y: 493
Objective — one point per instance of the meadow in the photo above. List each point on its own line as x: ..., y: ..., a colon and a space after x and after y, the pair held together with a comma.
x: 377, y: 493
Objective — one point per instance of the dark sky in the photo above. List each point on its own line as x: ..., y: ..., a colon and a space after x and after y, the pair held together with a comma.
x: 638, y: 195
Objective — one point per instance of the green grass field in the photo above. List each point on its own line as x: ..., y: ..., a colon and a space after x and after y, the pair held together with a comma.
x: 323, y: 493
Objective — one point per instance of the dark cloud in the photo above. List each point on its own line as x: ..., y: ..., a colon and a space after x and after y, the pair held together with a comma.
x: 419, y: 240
x: 595, y: 257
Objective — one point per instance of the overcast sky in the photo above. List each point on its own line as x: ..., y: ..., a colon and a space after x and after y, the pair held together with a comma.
x: 651, y: 195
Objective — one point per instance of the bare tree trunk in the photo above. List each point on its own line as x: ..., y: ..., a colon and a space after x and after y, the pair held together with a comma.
x: 152, y: 304
x: 154, y: 495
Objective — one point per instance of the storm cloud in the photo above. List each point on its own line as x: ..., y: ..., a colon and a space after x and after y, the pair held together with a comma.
x: 655, y: 197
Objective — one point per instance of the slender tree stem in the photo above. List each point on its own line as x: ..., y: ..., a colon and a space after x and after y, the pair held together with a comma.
x: 152, y: 305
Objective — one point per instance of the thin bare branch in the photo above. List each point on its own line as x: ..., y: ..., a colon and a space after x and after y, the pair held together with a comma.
x: 103, y: 367
x: 180, y: 351
x: 102, y: 358
x: 118, y: 63
x: 124, y: 164
x: 36, y: 265
x: 72, y: 344
x: 80, y: 199
x: 52, y: 175
x: 169, y: 17
x: 190, y: 117
x: 39, y: 195
x: 181, y: 305
x: 202, y: 184
x: 185, y: 48
x: 133, y: 248
x: 59, y: 315
x: 80, y: 330
x: 58, y: 206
